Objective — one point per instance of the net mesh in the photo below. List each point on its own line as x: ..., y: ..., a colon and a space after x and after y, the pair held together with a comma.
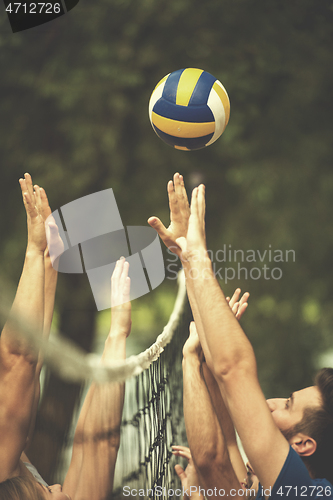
x: 152, y: 423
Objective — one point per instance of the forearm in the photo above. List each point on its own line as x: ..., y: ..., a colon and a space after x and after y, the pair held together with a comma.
x: 115, y: 349
x: 220, y: 327
x: 51, y: 277
x: 27, y: 309
x: 219, y: 407
x: 97, y: 434
x: 225, y: 423
x: 96, y: 443
x: 205, y: 437
x: 196, y: 313
x: 49, y: 295
x: 204, y: 434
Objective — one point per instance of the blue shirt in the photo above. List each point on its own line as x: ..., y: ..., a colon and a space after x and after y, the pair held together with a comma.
x: 294, y: 481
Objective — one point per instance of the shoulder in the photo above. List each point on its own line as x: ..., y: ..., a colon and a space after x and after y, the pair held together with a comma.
x: 294, y: 481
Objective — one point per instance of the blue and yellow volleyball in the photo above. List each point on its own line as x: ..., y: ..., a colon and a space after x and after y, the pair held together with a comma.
x: 189, y: 109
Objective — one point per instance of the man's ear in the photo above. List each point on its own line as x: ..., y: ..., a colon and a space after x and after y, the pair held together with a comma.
x: 303, y: 445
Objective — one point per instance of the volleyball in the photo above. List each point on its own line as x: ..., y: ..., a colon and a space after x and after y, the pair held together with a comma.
x: 189, y: 109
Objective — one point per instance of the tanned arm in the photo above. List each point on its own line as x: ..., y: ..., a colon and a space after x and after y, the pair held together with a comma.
x: 97, y: 434
x: 230, y: 355
x: 18, y: 360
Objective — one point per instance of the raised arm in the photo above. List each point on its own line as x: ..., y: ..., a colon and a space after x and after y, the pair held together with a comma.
x: 238, y: 305
x: 226, y: 425
x: 97, y: 435
x: 39, y: 198
x: 204, y: 434
x: 179, y: 220
x: 229, y: 354
x: 18, y: 361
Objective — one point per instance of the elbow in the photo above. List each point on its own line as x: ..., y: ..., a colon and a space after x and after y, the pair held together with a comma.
x: 241, y: 367
x: 212, y: 460
x: 210, y: 454
x: 19, y: 366
x: 18, y: 356
x: 203, y: 463
x: 240, y: 361
x: 113, y: 440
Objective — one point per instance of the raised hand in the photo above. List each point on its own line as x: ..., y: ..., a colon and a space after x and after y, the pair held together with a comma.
x: 39, y: 214
x: 193, y: 246
x: 120, y: 298
x: 237, y: 306
x: 179, y: 215
x: 189, y: 477
x: 33, y: 204
x: 55, y: 245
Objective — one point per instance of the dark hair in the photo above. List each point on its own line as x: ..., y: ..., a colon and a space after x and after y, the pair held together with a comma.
x: 318, y: 424
x: 20, y: 487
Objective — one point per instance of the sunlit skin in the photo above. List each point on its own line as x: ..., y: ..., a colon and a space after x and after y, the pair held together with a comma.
x: 54, y: 492
x: 288, y: 412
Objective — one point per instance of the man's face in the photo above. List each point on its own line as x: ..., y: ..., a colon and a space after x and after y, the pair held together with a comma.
x: 288, y: 412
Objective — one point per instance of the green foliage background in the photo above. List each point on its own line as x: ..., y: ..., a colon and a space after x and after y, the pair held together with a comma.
x: 73, y: 113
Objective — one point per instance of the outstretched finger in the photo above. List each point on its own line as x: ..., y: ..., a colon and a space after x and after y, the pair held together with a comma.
x: 235, y: 297
x: 28, y: 180
x: 125, y: 283
x: 182, y: 451
x: 30, y: 207
x: 244, y: 298
x: 115, y: 278
x: 38, y: 199
x: 156, y: 224
x: 28, y: 204
x: 181, y: 194
x: 241, y: 310
x: 235, y: 308
x: 201, y: 204
x: 194, y: 203
x: 173, y: 200
x: 24, y: 189
x: 180, y: 472
x: 45, y: 207
x: 127, y: 290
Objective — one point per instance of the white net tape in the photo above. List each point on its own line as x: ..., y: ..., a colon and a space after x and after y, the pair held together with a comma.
x: 73, y: 365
